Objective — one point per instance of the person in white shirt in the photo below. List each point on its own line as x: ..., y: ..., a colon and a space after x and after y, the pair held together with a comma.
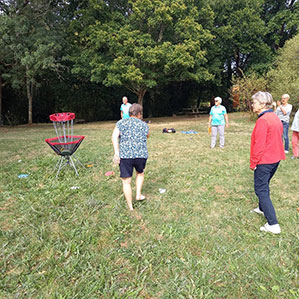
x: 283, y: 112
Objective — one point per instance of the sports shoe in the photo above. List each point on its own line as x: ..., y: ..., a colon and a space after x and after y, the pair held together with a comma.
x: 286, y: 152
x: 293, y: 157
x: 274, y: 229
x: 258, y: 211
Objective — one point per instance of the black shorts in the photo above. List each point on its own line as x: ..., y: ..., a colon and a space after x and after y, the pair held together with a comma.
x: 126, y: 166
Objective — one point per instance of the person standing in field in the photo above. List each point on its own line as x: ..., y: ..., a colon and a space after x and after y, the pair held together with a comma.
x: 295, y: 136
x: 124, y: 108
x: 218, y: 120
x: 266, y: 151
x: 129, y: 140
x: 283, y: 111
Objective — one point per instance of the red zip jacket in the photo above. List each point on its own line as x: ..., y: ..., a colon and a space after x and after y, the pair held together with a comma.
x: 266, y: 140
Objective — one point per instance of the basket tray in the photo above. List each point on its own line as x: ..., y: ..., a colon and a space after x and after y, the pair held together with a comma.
x: 66, y: 148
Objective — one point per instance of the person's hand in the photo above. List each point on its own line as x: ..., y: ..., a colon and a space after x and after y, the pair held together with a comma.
x: 226, y: 125
x: 278, y: 103
x: 116, y: 159
x: 253, y: 168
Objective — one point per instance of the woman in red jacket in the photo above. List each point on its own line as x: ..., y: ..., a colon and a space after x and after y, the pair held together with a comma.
x: 266, y: 151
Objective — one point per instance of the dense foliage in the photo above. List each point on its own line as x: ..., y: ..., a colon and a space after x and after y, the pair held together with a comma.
x: 84, y: 55
x: 144, y: 45
x: 284, y: 75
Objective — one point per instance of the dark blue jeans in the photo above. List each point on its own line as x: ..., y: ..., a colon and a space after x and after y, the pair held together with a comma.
x: 286, y: 135
x: 262, y: 177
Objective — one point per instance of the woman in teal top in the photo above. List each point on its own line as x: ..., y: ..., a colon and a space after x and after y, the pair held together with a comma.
x: 124, y: 108
x: 218, y: 120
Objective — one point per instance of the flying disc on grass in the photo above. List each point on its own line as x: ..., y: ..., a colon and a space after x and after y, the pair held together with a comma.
x: 109, y: 173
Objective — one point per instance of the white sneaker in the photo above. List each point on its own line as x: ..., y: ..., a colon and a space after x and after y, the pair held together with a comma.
x: 286, y: 152
x: 275, y: 228
x: 257, y: 210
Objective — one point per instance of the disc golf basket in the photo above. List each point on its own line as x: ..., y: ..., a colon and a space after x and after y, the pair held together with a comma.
x: 65, y: 143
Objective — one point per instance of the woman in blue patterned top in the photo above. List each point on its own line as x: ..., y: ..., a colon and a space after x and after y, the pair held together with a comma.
x: 130, y: 151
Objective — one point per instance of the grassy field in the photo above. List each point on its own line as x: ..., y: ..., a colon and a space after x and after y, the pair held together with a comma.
x: 196, y: 240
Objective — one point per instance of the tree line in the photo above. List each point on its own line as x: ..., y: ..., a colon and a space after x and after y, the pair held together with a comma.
x: 84, y: 55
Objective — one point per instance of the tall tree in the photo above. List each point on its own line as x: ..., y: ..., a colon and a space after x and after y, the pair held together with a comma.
x: 140, y: 44
x: 282, y: 20
x: 284, y: 77
x: 5, y: 57
x: 32, y: 37
x: 240, y: 32
x: 249, y: 32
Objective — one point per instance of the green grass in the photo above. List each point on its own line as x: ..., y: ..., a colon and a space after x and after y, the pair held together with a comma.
x: 197, y: 240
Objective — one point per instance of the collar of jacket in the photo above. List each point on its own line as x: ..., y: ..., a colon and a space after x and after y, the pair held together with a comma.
x: 270, y: 110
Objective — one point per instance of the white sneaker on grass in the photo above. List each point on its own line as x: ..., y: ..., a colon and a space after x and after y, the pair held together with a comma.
x: 274, y: 229
x: 257, y: 210
x: 286, y: 152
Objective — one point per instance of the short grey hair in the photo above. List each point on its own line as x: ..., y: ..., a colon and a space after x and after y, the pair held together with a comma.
x: 285, y: 95
x: 135, y: 109
x: 264, y: 97
x: 218, y: 99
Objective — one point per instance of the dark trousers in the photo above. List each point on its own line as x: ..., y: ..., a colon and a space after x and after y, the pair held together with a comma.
x: 262, y: 177
x: 286, y: 135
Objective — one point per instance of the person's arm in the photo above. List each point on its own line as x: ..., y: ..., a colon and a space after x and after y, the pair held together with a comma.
x: 210, y: 120
x: 226, y: 119
x: 148, y: 132
x: 121, y: 112
x: 258, y: 148
x: 278, y: 106
x: 115, y: 138
x: 283, y: 110
x: 286, y: 110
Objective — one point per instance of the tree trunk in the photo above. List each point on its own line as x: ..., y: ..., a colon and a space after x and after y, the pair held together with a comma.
x: 238, y: 65
x: 29, y: 87
x: 141, y: 92
x: 151, y: 103
x: 162, y: 27
x: 229, y: 73
x: 1, y: 118
x: 199, y: 98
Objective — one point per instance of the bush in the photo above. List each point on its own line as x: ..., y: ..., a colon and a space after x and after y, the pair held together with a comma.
x: 244, y: 88
x: 284, y: 77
